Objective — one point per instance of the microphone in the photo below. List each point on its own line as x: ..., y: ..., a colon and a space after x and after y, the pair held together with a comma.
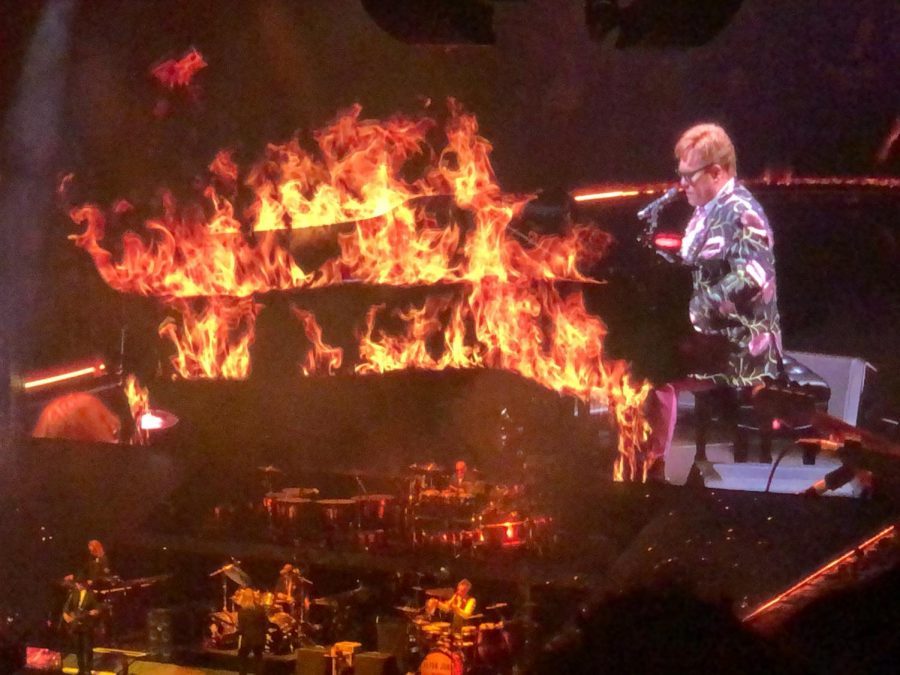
x: 668, y: 196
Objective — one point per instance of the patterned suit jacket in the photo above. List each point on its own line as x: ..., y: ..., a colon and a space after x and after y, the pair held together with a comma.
x: 734, y: 291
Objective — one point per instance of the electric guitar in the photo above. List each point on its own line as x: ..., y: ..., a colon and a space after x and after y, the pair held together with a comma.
x: 79, y: 618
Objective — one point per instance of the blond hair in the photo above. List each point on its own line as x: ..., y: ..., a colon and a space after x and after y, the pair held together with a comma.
x: 712, y: 145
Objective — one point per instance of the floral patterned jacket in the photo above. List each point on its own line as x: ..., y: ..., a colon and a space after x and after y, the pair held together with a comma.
x: 734, y: 293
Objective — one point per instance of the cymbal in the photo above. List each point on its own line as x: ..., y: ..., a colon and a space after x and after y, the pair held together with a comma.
x: 233, y: 572
x: 408, y: 610
x: 442, y: 593
x: 269, y: 469
x: 237, y: 575
x: 430, y: 467
x: 499, y: 605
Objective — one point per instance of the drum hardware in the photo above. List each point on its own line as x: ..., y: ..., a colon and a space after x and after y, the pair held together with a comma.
x: 233, y: 572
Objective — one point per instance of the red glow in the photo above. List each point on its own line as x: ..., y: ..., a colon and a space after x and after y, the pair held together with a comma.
x: 667, y: 241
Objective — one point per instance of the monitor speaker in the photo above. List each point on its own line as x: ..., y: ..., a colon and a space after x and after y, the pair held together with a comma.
x: 375, y: 663
x: 313, y: 661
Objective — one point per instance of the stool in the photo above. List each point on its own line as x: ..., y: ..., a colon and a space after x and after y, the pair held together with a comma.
x: 740, y: 409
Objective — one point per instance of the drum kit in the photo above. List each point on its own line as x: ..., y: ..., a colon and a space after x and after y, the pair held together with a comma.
x: 299, y: 513
x: 286, y: 615
x: 468, y: 514
x: 439, y: 510
x: 478, y: 646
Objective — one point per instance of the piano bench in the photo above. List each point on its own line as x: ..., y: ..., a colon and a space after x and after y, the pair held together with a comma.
x: 740, y: 409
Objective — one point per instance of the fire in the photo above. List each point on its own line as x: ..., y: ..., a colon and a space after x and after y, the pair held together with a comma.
x: 530, y: 330
x: 213, y: 342
x: 376, y: 183
x: 138, y: 398
x: 321, y: 356
x: 172, y: 73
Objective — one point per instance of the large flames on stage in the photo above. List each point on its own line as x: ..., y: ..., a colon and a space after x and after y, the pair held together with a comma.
x: 505, y: 301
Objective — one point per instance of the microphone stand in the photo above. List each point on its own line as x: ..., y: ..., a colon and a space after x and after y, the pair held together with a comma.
x: 650, y: 215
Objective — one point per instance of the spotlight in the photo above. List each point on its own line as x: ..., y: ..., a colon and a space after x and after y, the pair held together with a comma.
x: 156, y: 420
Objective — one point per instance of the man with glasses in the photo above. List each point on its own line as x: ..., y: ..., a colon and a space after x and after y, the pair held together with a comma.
x: 728, y: 244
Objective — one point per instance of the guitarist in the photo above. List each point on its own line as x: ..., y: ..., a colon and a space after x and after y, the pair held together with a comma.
x: 79, y: 614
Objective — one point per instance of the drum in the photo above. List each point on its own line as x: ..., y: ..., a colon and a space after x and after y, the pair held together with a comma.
x: 435, y: 633
x: 295, y: 515
x: 441, y: 662
x: 467, y: 636
x: 283, y: 620
x: 375, y: 511
x: 508, y: 532
x: 493, y: 646
x: 221, y: 632
x: 265, y: 599
x: 465, y: 642
x: 337, y: 514
x: 282, y: 633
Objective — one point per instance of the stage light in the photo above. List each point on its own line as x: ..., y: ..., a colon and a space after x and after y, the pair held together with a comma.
x: 667, y: 241
x: 156, y: 420
x: 70, y: 373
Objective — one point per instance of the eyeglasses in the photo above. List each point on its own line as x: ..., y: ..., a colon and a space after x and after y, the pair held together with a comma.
x: 693, y: 175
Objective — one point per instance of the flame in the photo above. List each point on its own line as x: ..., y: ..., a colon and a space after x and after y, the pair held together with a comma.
x: 531, y: 330
x: 213, y: 342
x: 172, y: 73
x: 499, y: 306
x: 321, y: 356
x: 138, y: 398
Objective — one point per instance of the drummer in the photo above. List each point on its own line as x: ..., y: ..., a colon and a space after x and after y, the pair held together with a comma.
x: 461, y: 604
x: 461, y: 484
x: 288, y: 588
